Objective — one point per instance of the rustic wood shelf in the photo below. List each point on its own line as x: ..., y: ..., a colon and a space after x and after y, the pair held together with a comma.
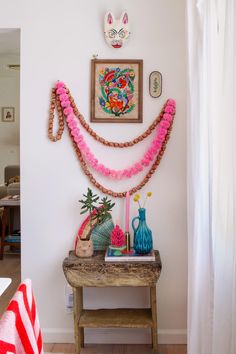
x: 121, y: 318
x: 95, y: 272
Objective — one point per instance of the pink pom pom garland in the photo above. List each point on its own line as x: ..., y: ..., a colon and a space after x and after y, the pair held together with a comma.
x: 137, y: 167
x: 158, y: 144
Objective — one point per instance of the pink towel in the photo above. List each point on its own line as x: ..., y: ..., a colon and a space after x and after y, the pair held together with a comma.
x: 19, y: 326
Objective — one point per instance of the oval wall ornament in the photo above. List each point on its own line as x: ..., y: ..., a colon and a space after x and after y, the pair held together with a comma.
x: 155, y: 84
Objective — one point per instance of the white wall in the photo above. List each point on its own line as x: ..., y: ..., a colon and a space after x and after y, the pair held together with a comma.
x: 9, y: 97
x: 58, y: 39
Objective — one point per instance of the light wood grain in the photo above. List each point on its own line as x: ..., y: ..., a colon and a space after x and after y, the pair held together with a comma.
x: 121, y: 318
x: 115, y: 349
x: 10, y: 268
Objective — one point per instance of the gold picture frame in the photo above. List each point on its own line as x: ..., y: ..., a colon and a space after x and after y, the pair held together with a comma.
x: 117, y: 91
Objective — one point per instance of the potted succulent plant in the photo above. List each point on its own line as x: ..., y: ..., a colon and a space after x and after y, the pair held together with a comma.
x: 98, y: 225
x: 99, y: 210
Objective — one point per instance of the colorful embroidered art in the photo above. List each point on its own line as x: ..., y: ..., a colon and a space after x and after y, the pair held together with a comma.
x: 117, y: 90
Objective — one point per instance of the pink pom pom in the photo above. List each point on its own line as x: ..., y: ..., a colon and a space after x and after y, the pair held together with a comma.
x: 64, y: 97
x: 100, y: 168
x: 59, y: 84
x: 89, y: 158
x: 70, y: 118
x: 138, y: 166
x: 81, y: 145
x: 168, y: 117
x: 119, y: 174
x: 68, y: 111
x: 164, y: 124
x: 162, y: 131
x: 155, y: 149
x: 87, y: 152
x: 72, y: 124
x: 171, y: 102
x: 65, y: 103
x: 160, y: 139
x: 84, y: 148
x: 107, y: 172
x: 147, y: 156
x: 94, y: 163
x: 113, y: 174
x: 60, y: 90
x: 74, y: 132
x: 151, y: 151
x: 156, y: 145
x: 145, y: 162
x: 92, y: 158
x: 133, y: 171
x: 169, y: 109
x: 76, y: 139
x: 129, y: 172
x: 80, y: 138
x: 125, y: 173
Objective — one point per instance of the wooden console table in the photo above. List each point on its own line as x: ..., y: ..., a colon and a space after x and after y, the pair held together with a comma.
x: 95, y: 272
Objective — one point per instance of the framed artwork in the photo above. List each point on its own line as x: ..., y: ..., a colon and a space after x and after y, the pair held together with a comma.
x: 116, y: 91
x: 155, y: 84
x: 8, y: 114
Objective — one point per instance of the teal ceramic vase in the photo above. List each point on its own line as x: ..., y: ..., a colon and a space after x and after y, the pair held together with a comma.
x: 142, y: 234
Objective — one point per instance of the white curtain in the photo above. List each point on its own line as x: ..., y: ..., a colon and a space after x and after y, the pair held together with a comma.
x: 211, y: 26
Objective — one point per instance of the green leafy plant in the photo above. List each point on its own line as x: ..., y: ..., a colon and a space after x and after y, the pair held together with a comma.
x: 92, y: 202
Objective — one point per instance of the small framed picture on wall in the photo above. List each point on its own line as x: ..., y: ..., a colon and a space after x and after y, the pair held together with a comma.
x: 8, y: 114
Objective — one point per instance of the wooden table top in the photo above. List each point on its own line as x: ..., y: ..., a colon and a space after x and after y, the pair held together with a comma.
x: 94, y: 271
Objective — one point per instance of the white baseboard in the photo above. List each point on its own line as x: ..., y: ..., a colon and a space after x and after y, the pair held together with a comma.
x: 115, y: 336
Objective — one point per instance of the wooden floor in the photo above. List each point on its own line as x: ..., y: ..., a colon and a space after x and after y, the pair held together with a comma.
x: 115, y: 349
x: 9, y: 268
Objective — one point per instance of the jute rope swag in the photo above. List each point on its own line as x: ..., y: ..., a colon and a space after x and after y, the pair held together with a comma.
x: 63, y: 102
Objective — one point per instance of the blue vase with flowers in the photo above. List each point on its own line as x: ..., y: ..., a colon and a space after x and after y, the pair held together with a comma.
x: 142, y: 234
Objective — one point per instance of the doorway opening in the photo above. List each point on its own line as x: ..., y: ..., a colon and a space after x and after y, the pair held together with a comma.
x: 10, y: 224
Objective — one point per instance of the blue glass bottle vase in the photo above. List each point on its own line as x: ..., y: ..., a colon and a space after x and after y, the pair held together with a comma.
x: 142, y: 234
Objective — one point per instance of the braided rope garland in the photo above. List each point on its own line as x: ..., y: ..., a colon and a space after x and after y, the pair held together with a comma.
x: 56, y: 104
